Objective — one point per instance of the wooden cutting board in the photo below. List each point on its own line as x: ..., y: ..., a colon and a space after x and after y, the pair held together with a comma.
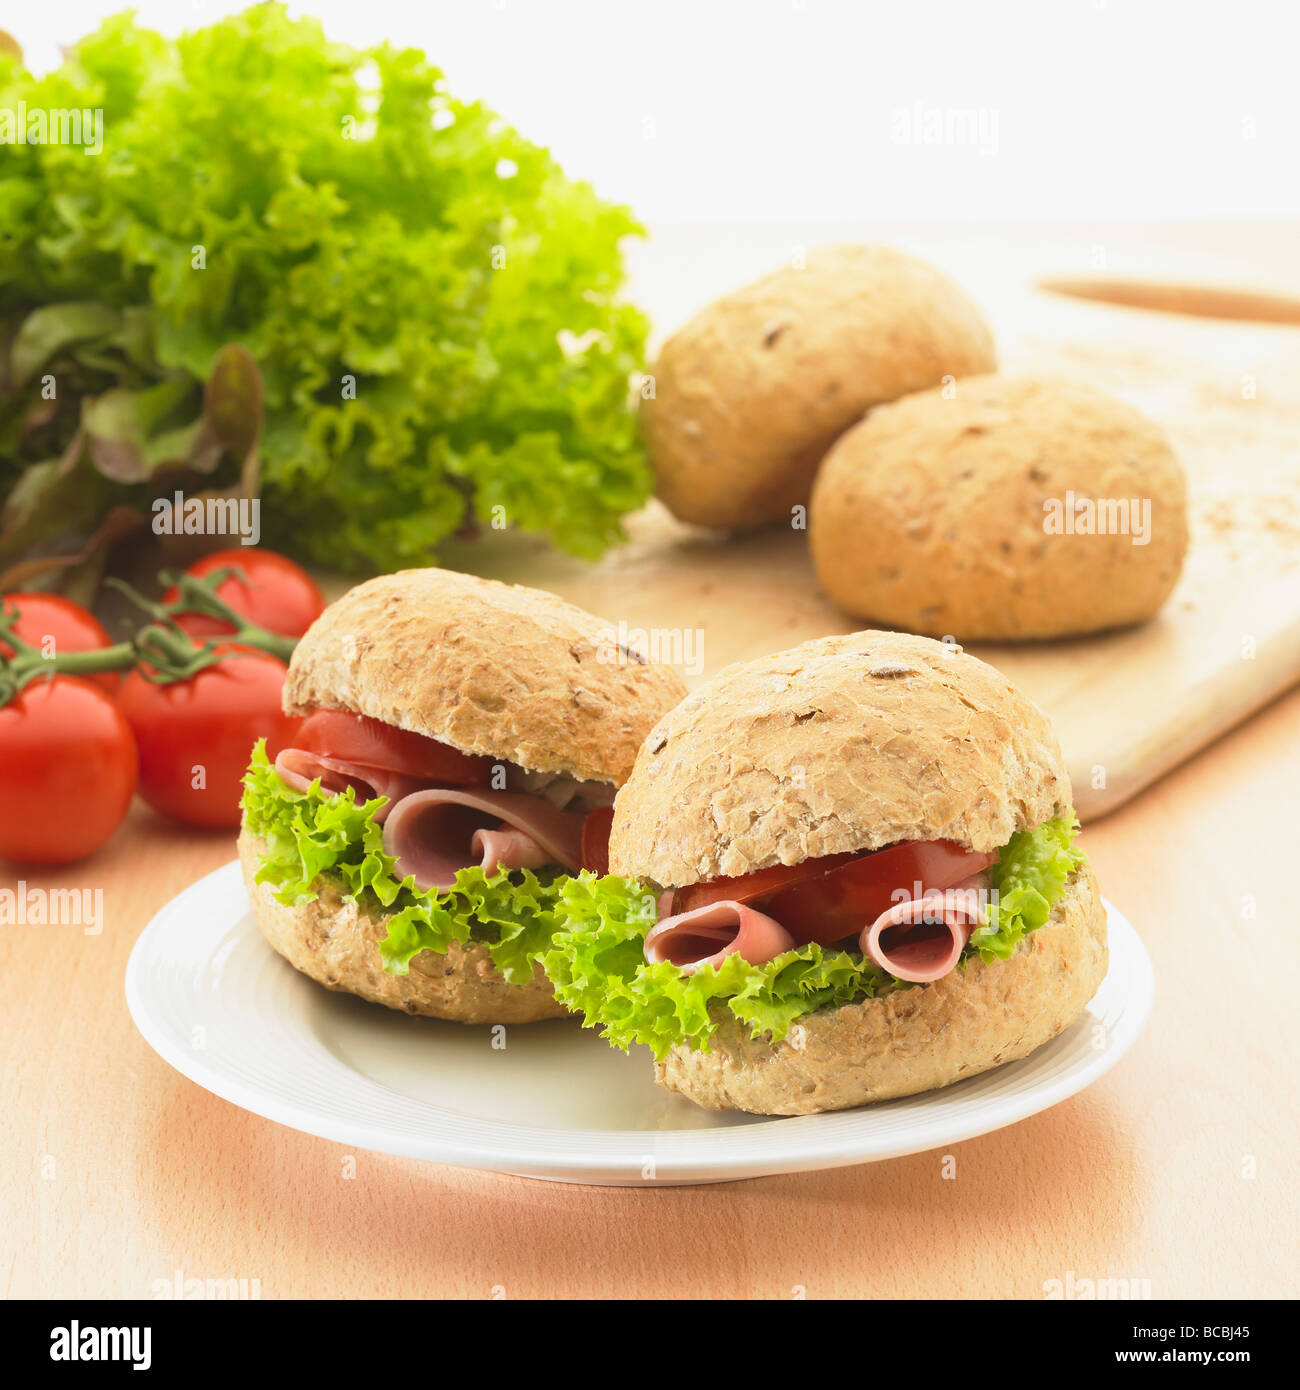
x: 1127, y: 705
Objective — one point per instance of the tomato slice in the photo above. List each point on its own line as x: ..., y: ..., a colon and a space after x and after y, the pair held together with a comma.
x: 356, y: 738
x: 595, y: 840
x: 826, y: 900
x: 842, y: 902
x: 762, y: 883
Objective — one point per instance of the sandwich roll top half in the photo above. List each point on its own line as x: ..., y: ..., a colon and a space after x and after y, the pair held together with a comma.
x: 491, y: 669
x: 838, y: 874
x: 842, y: 745
x: 460, y: 748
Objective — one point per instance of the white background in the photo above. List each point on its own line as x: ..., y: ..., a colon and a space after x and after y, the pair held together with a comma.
x: 769, y: 111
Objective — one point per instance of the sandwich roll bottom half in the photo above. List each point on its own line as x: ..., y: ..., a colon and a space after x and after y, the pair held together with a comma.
x: 454, y: 772
x: 839, y: 874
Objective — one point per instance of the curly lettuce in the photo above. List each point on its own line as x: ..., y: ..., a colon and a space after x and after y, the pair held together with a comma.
x: 312, y: 838
x: 1027, y: 881
x: 434, y: 308
x: 596, y: 961
x: 597, y: 966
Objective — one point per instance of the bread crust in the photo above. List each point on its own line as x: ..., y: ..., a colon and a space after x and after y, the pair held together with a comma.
x: 929, y: 515
x: 910, y: 1040
x: 754, y: 390
x: 490, y: 668
x: 335, y: 941
x: 841, y: 744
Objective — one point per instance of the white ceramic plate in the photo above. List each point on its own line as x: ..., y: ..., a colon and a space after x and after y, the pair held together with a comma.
x: 545, y: 1100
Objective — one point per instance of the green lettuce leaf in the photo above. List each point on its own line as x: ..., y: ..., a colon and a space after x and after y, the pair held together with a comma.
x: 597, y: 966
x: 434, y: 308
x: 313, y: 838
x: 1028, y: 879
x: 596, y: 963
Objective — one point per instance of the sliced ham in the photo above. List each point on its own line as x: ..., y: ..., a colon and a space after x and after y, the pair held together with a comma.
x: 299, y: 768
x: 434, y: 833
x: 828, y: 900
x: 921, y: 940
x: 708, y: 935
x: 507, y: 848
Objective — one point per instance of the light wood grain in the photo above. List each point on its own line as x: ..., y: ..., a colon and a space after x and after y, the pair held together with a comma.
x: 1176, y: 1168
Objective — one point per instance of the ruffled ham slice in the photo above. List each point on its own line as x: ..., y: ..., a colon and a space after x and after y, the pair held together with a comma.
x: 299, y: 769
x: 921, y: 940
x: 507, y: 848
x: 828, y: 900
x: 708, y: 935
x: 437, y: 832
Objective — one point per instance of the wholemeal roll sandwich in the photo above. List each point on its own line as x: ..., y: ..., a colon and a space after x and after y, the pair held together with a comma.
x: 455, y: 768
x: 839, y: 874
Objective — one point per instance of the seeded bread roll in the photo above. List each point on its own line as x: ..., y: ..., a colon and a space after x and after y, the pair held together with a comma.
x: 854, y: 744
x: 975, y: 514
x: 753, y: 391
x: 493, y: 669
x: 842, y: 744
x: 910, y: 1040
x: 335, y: 942
x: 490, y: 668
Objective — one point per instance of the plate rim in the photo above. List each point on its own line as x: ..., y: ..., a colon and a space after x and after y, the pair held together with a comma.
x: 678, y: 1155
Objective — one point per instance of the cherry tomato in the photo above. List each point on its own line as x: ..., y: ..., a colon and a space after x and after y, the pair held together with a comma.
x: 356, y: 738
x: 55, y: 625
x: 595, y: 839
x: 67, y: 771
x: 275, y: 593
x: 195, y: 736
x: 826, y: 900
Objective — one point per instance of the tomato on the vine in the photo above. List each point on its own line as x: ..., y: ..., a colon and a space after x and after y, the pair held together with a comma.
x: 67, y: 771
x: 273, y: 592
x: 195, y: 735
x: 55, y: 625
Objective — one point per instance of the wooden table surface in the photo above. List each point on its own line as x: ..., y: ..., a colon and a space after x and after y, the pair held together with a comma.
x: 1176, y: 1168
